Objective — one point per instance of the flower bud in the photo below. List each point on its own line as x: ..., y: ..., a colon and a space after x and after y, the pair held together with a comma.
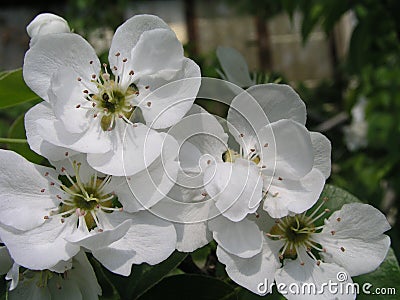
x: 46, y: 23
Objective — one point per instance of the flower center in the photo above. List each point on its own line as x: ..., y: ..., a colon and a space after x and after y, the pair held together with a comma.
x: 113, y: 98
x: 297, y: 232
x: 86, y: 199
x: 231, y: 155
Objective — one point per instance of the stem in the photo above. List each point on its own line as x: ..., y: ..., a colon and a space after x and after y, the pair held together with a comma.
x: 13, y: 141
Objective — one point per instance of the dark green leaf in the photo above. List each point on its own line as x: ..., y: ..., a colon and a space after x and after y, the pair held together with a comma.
x: 386, y: 278
x: 191, y: 286
x: 144, y: 276
x: 17, y: 130
x: 13, y: 89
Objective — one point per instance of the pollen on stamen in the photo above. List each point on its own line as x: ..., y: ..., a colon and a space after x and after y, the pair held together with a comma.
x: 46, y: 217
x: 94, y: 76
x: 147, y: 87
x: 338, y: 219
x: 257, y: 215
x: 275, y: 195
x: 241, y: 135
x: 280, y: 178
x: 62, y: 220
x: 125, y: 60
x: 66, y: 153
x: 59, y: 197
x: 93, y: 104
x: 79, y: 79
x: 342, y: 248
x: 95, y: 115
x: 208, y: 162
x: 106, y: 76
x: 86, y: 91
x: 131, y: 72
x: 266, y: 145
x: 63, y: 169
x: 46, y: 174
x: 100, y: 230
x: 148, y: 104
x: 52, y: 183
x: 42, y: 190
x: 115, y: 68
x: 302, y: 263
x: 117, y: 54
x: 78, y: 106
x: 204, y: 194
x: 325, y: 199
x: 252, y: 150
x: 318, y: 262
x: 333, y: 232
x: 91, y: 62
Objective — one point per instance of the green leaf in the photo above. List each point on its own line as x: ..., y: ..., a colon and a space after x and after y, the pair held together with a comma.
x: 191, y: 286
x: 17, y: 130
x: 144, y: 276
x: 13, y: 89
x: 386, y: 278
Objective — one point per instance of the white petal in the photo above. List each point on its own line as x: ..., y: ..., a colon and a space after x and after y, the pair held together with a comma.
x: 322, y: 153
x: 234, y: 66
x: 245, y: 118
x: 156, y: 50
x: 256, y: 273
x: 102, y: 239
x: 93, y: 140
x: 146, y: 188
x: 127, y: 35
x: 36, y: 142
x: 25, y: 193
x: 5, y: 261
x: 53, y: 51
x: 235, y: 187
x: 243, y: 239
x: 279, y: 101
x: 62, y: 266
x: 286, y: 148
x: 287, y: 196
x: 203, y: 131
x: 295, y: 278
x: 42, y: 247
x: 149, y: 240
x: 135, y: 147
x: 65, y: 94
x: 46, y: 23
x: 350, y: 235
x: 13, y: 275
x: 171, y: 98
x: 191, y: 237
x: 83, y: 275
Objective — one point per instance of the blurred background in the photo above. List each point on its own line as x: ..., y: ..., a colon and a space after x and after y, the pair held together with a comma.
x: 341, y: 56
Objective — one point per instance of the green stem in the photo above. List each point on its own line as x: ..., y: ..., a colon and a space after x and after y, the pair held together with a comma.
x: 13, y: 141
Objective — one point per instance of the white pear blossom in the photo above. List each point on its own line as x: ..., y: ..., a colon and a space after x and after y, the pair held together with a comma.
x: 98, y: 109
x: 280, y: 163
x: 355, y: 134
x: 46, y: 218
x: 73, y: 279
x: 295, y: 251
x: 44, y: 24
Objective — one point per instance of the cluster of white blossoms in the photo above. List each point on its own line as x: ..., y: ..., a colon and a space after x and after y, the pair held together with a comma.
x: 139, y: 171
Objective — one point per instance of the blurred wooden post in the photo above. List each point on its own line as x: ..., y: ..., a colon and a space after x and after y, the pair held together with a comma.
x: 190, y: 17
x: 264, y: 44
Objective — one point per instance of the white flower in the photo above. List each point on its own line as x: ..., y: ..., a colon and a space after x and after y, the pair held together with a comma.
x: 89, y: 109
x: 74, y: 279
x: 356, y: 133
x: 45, y: 220
x: 234, y: 66
x: 294, y: 251
x: 280, y: 163
x: 46, y: 23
